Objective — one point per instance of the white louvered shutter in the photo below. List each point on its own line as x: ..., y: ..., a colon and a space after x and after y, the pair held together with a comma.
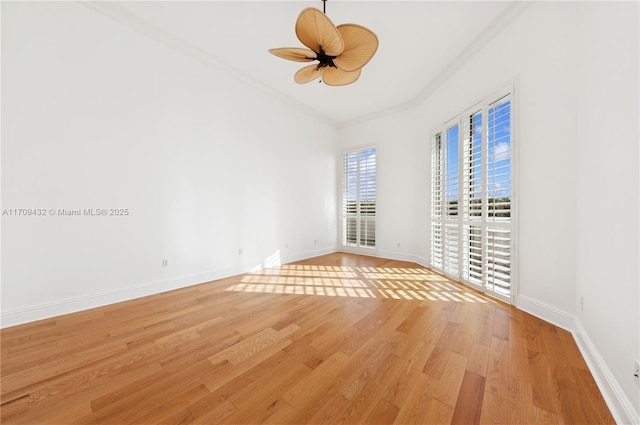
x: 359, y: 198
x: 471, y: 197
x: 368, y: 198
x: 437, y: 160
x: 451, y: 199
x: 350, y: 199
x: 498, y: 209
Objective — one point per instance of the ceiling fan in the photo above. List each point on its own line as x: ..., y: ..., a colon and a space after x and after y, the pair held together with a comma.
x: 341, y: 51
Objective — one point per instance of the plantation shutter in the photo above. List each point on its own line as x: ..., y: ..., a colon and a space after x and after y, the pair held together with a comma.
x: 437, y: 160
x: 368, y: 198
x: 350, y: 199
x: 359, y: 198
x: 471, y: 198
x: 498, y: 230
x: 452, y: 197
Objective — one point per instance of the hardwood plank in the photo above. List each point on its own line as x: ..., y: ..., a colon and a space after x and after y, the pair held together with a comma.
x: 308, y: 355
x: 266, y: 389
x: 438, y: 359
x: 363, y: 330
x: 497, y: 381
x: 183, y: 417
x: 153, y: 413
x: 216, y: 414
x: 370, y: 398
x: 81, y: 390
x: 317, y: 381
x: 361, y: 376
x: 394, y: 343
x: 478, y: 359
x: 449, y: 388
x: 484, y: 330
x: 226, y: 371
x: 520, y: 391
x: 469, y: 405
x: 331, y: 411
x: 494, y: 409
x: 520, y: 402
x: 501, y: 323
x: 438, y: 413
x: 384, y: 413
x: 558, y: 362
x: 23, y: 382
x: 400, y: 387
x: 543, y: 417
x: 415, y: 407
x: 464, y: 343
x: 570, y: 350
x: 532, y: 329
x: 572, y: 411
x: 544, y: 388
x: 593, y: 406
x: 144, y: 397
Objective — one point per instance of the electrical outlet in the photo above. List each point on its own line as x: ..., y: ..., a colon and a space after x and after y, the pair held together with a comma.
x: 636, y: 371
x: 165, y: 262
x: 315, y: 242
x: 240, y: 251
x: 581, y: 303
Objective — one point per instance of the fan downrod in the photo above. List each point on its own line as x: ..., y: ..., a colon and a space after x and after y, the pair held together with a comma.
x: 341, y: 51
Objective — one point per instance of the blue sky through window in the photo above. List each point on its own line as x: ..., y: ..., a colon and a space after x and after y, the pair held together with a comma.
x: 499, y: 150
x: 368, y: 175
x: 367, y: 178
x: 451, y: 164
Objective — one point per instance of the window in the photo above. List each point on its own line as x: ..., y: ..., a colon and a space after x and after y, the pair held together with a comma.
x: 471, y: 197
x: 359, y: 198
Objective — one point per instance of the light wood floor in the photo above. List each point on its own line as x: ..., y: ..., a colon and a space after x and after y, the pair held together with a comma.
x: 338, y: 339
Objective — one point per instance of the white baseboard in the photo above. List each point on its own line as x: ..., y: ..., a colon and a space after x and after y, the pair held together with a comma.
x: 423, y: 261
x: 621, y: 407
x: 309, y: 254
x: 546, y: 312
x: 388, y: 255
x: 85, y: 302
x: 619, y: 404
x: 398, y: 256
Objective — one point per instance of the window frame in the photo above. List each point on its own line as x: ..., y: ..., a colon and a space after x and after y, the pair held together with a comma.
x: 438, y: 218
x: 357, y: 247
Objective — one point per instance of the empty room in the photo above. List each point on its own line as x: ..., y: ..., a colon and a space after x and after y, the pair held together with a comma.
x: 304, y: 212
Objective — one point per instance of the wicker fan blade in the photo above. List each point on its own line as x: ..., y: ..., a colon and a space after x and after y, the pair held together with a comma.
x: 317, y: 32
x: 297, y: 54
x: 360, y: 44
x: 308, y: 73
x: 337, y: 77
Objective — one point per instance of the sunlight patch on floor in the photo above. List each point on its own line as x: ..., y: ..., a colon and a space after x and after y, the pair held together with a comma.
x: 355, y: 282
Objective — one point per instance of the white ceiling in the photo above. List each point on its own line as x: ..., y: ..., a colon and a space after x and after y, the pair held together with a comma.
x: 421, y: 43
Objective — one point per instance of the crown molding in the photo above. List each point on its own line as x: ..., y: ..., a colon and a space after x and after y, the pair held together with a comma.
x: 111, y: 10
x: 491, y: 31
x: 136, y: 23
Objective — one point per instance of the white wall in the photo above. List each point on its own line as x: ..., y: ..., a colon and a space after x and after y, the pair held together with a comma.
x: 537, y: 52
x: 402, y: 156
x: 96, y: 115
x: 575, y: 70
x: 608, y: 186
x: 208, y: 165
